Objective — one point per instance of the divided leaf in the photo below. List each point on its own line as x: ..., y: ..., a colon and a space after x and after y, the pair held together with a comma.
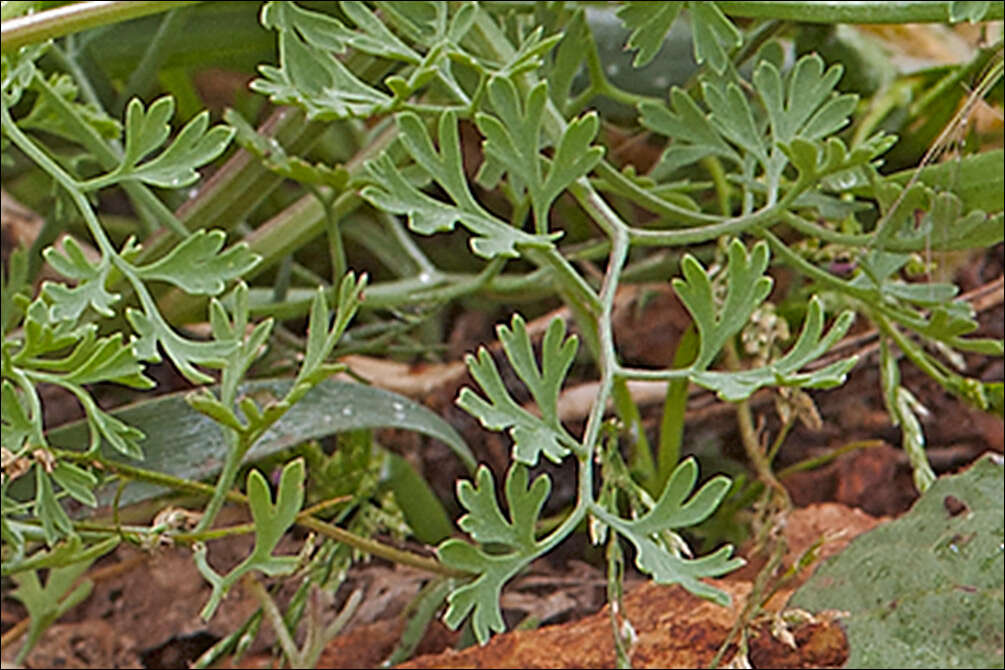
x: 671, y: 511
x: 311, y: 77
x: 152, y: 330
x: 746, y: 288
x: 803, y: 105
x: 481, y: 595
x: 196, y: 265
x: 64, y: 589
x: 801, y: 109
x: 714, y: 34
x: 486, y: 523
x: 532, y: 435
x: 649, y: 23
x: 819, y: 158
x: 513, y: 143
x: 174, y: 167
x: 392, y: 192
x: 271, y: 522
x: 322, y: 338
x: 736, y: 386
x: 107, y: 359
x: 694, y: 135
x: 933, y: 219
x: 67, y: 304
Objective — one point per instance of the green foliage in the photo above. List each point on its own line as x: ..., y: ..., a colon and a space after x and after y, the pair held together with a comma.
x: 174, y: 167
x: 746, y: 289
x: 271, y: 523
x: 45, y: 604
x: 272, y: 155
x: 308, y: 75
x: 512, y: 144
x: 192, y: 445
x: 486, y: 523
x: 392, y: 192
x: 670, y: 511
x: 926, y: 588
x: 714, y: 34
x: 801, y: 107
x: 44, y: 115
x: 532, y: 435
x: 197, y: 266
x: 774, y: 165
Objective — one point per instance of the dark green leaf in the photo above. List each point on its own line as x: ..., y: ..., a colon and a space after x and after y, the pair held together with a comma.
x: 187, y: 444
x: 422, y: 510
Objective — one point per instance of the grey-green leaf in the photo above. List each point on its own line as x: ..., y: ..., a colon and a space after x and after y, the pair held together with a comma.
x: 649, y: 23
x: 714, y: 35
x: 925, y: 590
x: 197, y: 266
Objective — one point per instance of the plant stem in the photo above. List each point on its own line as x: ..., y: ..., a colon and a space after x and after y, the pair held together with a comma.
x: 76, y: 17
x: 144, y: 76
x: 878, y: 11
x: 275, y: 618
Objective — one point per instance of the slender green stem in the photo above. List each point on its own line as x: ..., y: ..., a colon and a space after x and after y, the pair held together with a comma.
x: 824, y: 459
x: 143, y: 77
x: 878, y: 11
x: 75, y: 17
x: 650, y: 201
x: 143, y: 475
x: 275, y: 617
x: 910, y: 349
x: 722, y: 188
x: 379, y: 549
x: 304, y: 519
x: 766, y: 216
x: 457, y: 289
x: 228, y: 473
x: 109, y: 254
x: 408, y: 245
x: 783, y: 432
x: 655, y: 375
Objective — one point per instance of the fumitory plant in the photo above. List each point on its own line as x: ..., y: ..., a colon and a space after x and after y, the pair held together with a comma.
x: 766, y: 162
